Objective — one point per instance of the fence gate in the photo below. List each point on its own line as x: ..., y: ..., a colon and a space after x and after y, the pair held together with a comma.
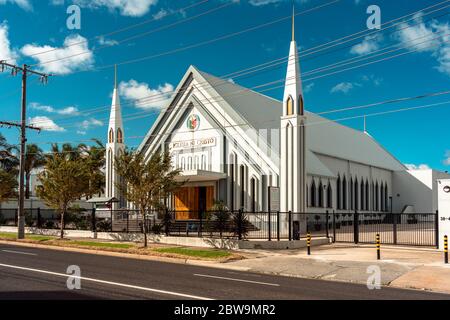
x: 417, y: 229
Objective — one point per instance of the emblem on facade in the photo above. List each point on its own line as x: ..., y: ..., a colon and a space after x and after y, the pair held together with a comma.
x: 447, y: 189
x: 193, y: 122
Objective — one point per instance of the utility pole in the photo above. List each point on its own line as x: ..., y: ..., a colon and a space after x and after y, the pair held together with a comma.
x: 23, y: 126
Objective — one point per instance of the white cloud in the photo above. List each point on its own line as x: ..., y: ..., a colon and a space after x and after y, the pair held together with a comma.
x: 45, y: 123
x: 145, y: 97
x: 75, y: 46
x: 308, y: 87
x: 132, y: 8
x: 107, y: 42
x: 343, y: 87
x: 160, y: 14
x: 81, y: 132
x: 447, y: 158
x: 417, y: 167
x: 6, y: 53
x: 368, y: 45
x: 433, y: 38
x: 24, y: 4
x: 49, y: 109
x: 87, y: 124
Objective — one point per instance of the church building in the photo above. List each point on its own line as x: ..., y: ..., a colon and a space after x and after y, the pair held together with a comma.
x: 232, y: 144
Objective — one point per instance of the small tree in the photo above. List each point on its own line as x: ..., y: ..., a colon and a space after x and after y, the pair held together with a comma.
x: 34, y: 158
x: 63, y: 180
x: 219, y: 218
x: 146, y: 181
x: 8, y: 185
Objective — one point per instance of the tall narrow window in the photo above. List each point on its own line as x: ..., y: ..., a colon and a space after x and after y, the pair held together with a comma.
x: 382, y: 197
x: 111, y: 136
x: 189, y: 163
x: 313, y: 194
x: 338, y: 192
x: 352, y: 202
x: 344, y: 193
x: 289, y: 106
x: 203, y: 162
x: 197, y: 163
x: 367, y: 196
x: 242, y: 185
x: 320, y: 195
x: 377, y: 197
x: 119, y: 136
x: 301, y: 108
x: 253, y: 194
x: 356, y: 194
x: 329, y: 196
x: 232, y: 186
x: 386, y: 197
x: 363, y: 200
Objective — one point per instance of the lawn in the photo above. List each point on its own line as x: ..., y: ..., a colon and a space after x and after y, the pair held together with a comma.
x: 13, y: 235
x: 101, y: 244
x: 201, y: 253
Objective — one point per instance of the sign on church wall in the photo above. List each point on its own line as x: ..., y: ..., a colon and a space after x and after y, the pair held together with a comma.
x: 444, y: 210
x: 193, y: 143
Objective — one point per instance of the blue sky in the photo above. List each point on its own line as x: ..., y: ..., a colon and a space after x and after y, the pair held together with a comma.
x: 73, y: 107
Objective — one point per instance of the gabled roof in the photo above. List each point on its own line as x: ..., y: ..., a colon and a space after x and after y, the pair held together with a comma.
x: 262, y: 112
x: 323, y: 136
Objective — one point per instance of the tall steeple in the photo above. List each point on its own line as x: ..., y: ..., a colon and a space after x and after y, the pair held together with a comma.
x: 292, y: 136
x: 114, y: 146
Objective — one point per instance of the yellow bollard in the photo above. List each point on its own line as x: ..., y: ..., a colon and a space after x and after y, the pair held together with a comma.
x: 308, y: 243
x: 445, y: 249
x: 378, y: 247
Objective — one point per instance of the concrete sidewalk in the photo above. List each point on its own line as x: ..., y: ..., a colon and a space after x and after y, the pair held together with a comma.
x: 404, y: 267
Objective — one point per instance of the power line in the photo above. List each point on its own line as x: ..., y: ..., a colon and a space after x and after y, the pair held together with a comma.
x: 121, y: 30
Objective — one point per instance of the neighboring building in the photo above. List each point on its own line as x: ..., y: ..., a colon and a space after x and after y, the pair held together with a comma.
x: 232, y: 143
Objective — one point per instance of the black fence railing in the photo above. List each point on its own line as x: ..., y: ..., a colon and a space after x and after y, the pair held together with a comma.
x: 420, y: 229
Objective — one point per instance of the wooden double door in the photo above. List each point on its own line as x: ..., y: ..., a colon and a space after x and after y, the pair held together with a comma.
x: 189, y: 201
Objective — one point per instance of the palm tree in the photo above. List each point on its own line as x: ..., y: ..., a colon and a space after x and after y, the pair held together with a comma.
x: 34, y: 158
x: 8, y: 159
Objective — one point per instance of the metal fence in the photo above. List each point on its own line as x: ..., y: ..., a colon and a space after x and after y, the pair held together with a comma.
x: 420, y: 229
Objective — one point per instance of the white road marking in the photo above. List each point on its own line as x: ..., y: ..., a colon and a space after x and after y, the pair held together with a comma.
x: 20, y: 252
x: 233, y: 279
x: 107, y: 282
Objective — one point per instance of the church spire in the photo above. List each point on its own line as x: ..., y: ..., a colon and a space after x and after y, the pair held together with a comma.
x: 293, y: 94
x: 293, y: 22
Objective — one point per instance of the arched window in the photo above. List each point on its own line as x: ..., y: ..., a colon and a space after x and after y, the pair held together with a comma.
x: 119, y: 136
x: 344, y: 193
x: 289, y: 106
x: 301, y: 107
x: 352, y: 197
x: 329, y: 196
x: 253, y: 194
x: 203, y: 162
x: 320, y: 195
x: 338, y: 193
x: 373, y: 196
x: 196, y: 163
x: 356, y: 194
x: 242, y: 185
x: 377, y: 197
x: 111, y: 136
x: 382, y: 197
x: 363, y: 200
x: 367, y: 195
x: 313, y: 194
x: 386, y: 197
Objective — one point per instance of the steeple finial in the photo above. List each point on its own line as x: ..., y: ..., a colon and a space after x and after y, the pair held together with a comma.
x: 293, y: 21
x: 115, y: 76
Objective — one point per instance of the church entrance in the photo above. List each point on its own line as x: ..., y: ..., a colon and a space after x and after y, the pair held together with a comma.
x: 190, y: 201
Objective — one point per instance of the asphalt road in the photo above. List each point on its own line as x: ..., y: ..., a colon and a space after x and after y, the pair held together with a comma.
x: 31, y: 273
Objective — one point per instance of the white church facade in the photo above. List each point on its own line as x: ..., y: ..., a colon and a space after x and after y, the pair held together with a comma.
x: 231, y: 144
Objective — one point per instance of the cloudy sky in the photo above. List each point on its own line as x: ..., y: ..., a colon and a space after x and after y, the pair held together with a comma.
x: 154, y: 41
